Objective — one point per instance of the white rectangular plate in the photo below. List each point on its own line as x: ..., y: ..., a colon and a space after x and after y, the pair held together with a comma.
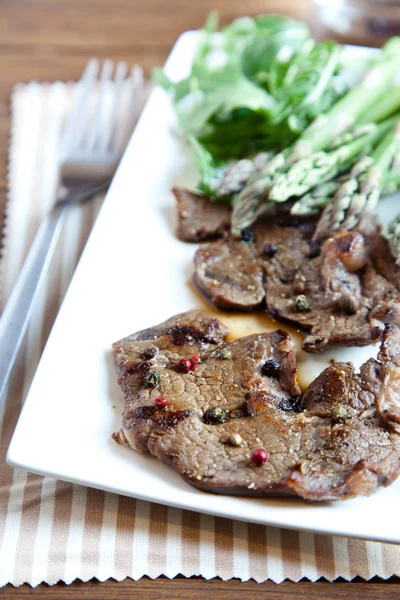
x: 134, y: 273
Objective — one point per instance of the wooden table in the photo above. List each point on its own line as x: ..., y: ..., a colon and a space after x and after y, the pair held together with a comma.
x: 53, y: 39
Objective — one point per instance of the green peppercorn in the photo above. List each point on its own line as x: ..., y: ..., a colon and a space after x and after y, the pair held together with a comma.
x: 225, y: 353
x: 301, y: 304
x: 339, y: 414
x: 216, y: 415
x: 152, y: 378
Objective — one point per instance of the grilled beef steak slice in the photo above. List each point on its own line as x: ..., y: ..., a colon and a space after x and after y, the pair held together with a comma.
x: 231, y: 424
x: 340, y: 293
x: 198, y: 218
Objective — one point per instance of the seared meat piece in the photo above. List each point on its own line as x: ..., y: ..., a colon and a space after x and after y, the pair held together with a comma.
x: 231, y: 424
x: 341, y: 293
x: 230, y: 274
x: 198, y: 218
x: 347, y: 301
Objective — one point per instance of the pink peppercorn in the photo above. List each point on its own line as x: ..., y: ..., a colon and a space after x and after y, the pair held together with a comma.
x: 194, y: 361
x: 185, y: 365
x: 161, y: 402
x: 259, y: 457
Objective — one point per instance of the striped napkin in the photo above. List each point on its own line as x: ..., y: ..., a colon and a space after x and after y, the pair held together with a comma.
x: 51, y: 530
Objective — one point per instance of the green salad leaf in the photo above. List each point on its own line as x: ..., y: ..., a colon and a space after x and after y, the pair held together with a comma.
x: 253, y: 86
x: 276, y: 39
x: 210, y: 172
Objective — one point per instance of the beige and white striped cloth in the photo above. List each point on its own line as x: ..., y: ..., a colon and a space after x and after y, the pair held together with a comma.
x: 51, y: 530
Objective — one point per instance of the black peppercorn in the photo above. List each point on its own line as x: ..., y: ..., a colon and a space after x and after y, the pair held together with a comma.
x: 271, y: 368
x: 216, y: 415
x: 286, y: 405
x: 269, y: 250
x: 247, y: 236
x: 349, y: 304
x: 149, y: 353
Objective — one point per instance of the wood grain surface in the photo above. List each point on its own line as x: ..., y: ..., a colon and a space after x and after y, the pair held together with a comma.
x: 53, y: 39
x: 215, y: 589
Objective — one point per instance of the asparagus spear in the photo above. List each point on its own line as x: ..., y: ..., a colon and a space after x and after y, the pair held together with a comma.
x: 387, y: 106
x: 322, y: 166
x: 360, y: 193
x: 353, y: 134
x: 346, y: 112
x: 313, y: 202
x: 239, y: 174
x: 235, y: 177
x: 317, y: 198
x: 248, y: 202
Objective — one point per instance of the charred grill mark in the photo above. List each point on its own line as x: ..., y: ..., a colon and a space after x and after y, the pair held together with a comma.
x: 161, y: 418
x: 140, y: 368
x: 171, y: 419
x: 183, y: 334
x: 142, y: 412
x: 224, y: 279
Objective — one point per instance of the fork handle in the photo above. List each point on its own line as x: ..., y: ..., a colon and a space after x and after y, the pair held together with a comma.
x: 15, y: 317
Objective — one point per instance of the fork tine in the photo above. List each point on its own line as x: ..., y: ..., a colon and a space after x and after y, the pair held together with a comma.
x: 106, y: 71
x: 108, y: 131
x: 74, y: 122
x: 138, y: 88
x: 132, y: 100
x: 100, y: 111
x: 85, y: 117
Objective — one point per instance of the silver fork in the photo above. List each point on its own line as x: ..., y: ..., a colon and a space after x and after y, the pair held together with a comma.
x: 92, y: 143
